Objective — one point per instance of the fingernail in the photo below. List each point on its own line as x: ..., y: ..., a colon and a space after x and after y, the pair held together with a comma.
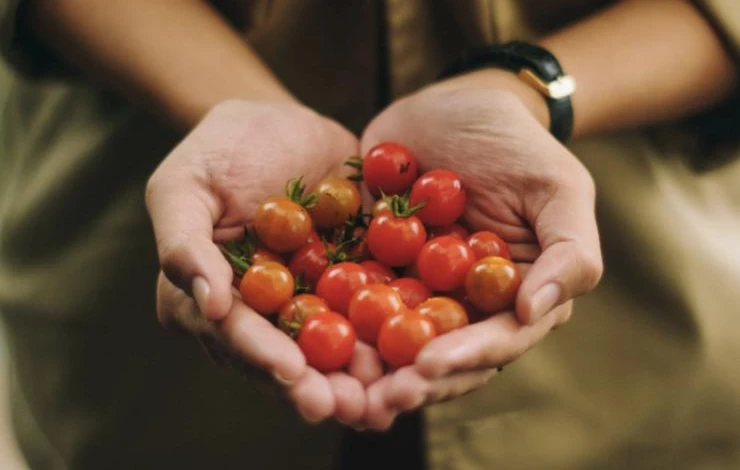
x: 201, y: 290
x: 282, y: 380
x: 544, y: 300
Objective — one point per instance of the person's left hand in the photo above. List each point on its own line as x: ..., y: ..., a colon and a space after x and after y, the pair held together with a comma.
x: 523, y: 185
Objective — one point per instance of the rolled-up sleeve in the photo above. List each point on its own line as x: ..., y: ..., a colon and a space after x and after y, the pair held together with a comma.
x: 19, y: 49
x: 725, y: 17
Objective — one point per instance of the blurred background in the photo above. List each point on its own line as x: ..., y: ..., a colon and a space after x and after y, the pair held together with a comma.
x: 9, y: 455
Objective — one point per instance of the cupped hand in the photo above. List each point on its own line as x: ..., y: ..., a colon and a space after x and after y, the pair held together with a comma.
x: 522, y: 184
x: 206, y: 191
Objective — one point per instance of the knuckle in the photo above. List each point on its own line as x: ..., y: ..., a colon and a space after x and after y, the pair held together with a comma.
x: 592, y: 269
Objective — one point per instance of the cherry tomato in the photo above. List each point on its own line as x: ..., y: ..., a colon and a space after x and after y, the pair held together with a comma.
x: 492, y: 283
x: 454, y: 230
x: 402, y: 336
x: 338, y: 200
x: 443, y: 263
x: 295, y: 312
x: 327, y: 339
x: 389, y: 167
x: 310, y: 262
x: 445, y: 313
x: 381, y: 205
x: 266, y: 287
x: 443, y: 196
x: 369, y: 308
x: 377, y: 272
x: 282, y: 225
x: 260, y: 254
x: 412, y: 291
x: 395, y: 241
x: 488, y: 244
x: 313, y: 237
x: 338, y: 284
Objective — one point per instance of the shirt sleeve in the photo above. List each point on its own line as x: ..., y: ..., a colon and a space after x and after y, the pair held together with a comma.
x: 724, y: 15
x: 18, y: 48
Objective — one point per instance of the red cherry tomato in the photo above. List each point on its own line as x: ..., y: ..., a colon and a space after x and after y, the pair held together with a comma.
x: 338, y: 200
x: 443, y: 263
x: 370, y: 307
x: 378, y: 273
x: 443, y: 196
x: 488, y: 244
x: 445, y: 313
x: 492, y: 283
x: 282, y: 225
x: 412, y: 291
x: 339, y: 283
x: 402, y: 336
x: 454, y: 230
x: 310, y: 262
x: 389, y: 167
x: 266, y: 287
x: 327, y: 339
x: 395, y: 241
x: 313, y: 237
x: 295, y: 312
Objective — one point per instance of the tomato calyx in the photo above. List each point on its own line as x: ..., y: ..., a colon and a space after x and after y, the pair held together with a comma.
x: 301, y: 286
x: 239, y: 254
x: 356, y: 163
x: 293, y: 327
x: 400, y: 205
x: 295, y: 190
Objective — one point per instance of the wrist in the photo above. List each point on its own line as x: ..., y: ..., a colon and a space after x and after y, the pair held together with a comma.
x: 504, y: 80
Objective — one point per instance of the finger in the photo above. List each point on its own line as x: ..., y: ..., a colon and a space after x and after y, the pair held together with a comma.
x: 245, y: 335
x: 481, y: 216
x: 349, y: 398
x: 183, y: 212
x: 491, y: 343
x: 254, y: 339
x: 570, y: 263
x: 313, y: 396
x: 366, y: 365
x: 524, y: 252
x: 379, y: 415
x: 177, y: 311
x: 410, y: 390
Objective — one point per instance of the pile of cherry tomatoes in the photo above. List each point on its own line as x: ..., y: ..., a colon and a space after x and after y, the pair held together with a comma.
x: 395, y: 278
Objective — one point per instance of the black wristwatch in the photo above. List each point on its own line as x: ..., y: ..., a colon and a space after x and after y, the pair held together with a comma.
x: 535, y: 66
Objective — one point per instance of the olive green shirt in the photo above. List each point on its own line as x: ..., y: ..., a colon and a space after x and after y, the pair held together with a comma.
x: 645, y: 376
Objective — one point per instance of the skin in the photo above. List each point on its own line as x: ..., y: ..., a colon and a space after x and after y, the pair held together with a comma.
x: 178, y: 72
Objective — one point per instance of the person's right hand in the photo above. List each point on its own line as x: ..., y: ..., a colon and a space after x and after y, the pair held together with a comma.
x: 206, y: 191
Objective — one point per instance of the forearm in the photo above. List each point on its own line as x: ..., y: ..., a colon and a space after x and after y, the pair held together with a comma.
x: 641, y: 62
x: 637, y: 63
x: 179, y: 58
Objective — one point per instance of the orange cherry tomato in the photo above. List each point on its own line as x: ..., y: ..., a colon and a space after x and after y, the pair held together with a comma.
x: 446, y: 314
x: 338, y: 200
x: 282, y: 225
x: 266, y: 287
x: 402, y: 336
x: 370, y: 307
x: 492, y: 284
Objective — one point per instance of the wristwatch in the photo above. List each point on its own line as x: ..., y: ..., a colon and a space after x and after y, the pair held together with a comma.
x: 535, y: 66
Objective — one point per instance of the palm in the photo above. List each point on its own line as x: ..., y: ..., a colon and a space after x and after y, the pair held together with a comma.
x: 524, y: 186
x: 207, y: 190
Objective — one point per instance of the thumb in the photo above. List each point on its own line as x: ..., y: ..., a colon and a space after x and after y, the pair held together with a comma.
x: 570, y: 263
x: 183, y: 212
